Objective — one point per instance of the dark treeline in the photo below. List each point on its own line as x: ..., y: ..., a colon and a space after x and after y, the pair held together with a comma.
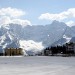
x: 56, y: 50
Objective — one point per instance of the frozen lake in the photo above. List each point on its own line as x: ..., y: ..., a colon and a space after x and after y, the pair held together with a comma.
x: 37, y: 65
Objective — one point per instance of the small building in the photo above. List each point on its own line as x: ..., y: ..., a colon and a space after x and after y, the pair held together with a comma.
x: 46, y: 52
x: 70, y: 47
x: 13, y: 51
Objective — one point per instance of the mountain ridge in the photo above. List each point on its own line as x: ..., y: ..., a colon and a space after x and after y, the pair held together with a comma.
x: 47, y: 35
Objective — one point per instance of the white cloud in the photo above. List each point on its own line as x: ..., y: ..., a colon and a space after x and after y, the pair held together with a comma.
x: 12, y: 12
x: 21, y: 22
x: 48, y: 16
x: 70, y: 13
x: 12, y: 15
x: 70, y: 23
x: 4, y: 20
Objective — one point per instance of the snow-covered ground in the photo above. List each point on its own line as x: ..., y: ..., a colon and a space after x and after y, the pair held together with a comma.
x: 37, y: 65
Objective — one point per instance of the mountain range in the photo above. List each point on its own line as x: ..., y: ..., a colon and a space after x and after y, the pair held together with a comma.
x: 34, y: 38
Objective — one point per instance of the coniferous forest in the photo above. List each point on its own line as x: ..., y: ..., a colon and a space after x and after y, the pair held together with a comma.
x: 59, y: 50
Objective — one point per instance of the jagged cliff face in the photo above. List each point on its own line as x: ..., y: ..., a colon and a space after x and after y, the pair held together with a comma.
x: 34, y: 38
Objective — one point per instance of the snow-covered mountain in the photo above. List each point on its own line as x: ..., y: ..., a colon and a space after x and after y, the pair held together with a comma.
x: 67, y: 36
x: 7, y: 39
x: 34, y: 38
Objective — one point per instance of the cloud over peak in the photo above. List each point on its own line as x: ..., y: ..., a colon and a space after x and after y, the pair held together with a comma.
x: 70, y: 13
x: 67, y: 16
x: 21, y: 22
x: 70, y: 23
x: 12, y: 15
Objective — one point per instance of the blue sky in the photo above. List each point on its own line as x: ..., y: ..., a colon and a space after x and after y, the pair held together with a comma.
x: 35, y: 8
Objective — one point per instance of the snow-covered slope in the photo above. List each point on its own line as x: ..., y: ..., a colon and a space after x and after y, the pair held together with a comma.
x: 7, y: 39
x: 34, y: 38
x: 31, y: 47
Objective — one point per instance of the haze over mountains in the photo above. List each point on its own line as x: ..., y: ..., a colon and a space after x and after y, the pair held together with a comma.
x: 34, y: 38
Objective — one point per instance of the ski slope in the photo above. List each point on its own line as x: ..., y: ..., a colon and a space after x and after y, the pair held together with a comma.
x: 37, y: 65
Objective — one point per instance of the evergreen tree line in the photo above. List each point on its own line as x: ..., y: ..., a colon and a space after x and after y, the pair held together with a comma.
x: 54, y: 50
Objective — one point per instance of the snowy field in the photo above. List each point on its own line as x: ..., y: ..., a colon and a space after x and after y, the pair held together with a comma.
x: 37, y: 65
